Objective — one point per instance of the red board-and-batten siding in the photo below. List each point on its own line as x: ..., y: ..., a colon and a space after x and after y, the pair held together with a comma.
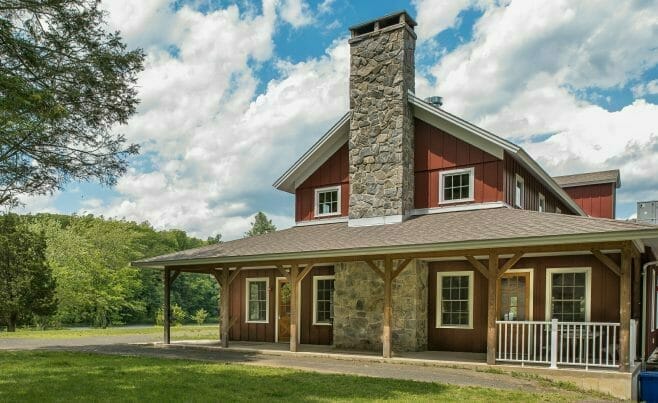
x: 334, y: 172
x: 596, y: 200
x: 265, y: 332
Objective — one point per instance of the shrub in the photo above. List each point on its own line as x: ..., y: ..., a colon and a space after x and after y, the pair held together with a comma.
x: 178, y: 316
x: 200, y: 316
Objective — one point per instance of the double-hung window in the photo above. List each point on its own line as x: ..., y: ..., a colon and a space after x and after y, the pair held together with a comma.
x: 454, y: 299
x: 568, y: 294
x: 519, y: 191
x: 323, y: 300
x: 456, y: 185
x: 327, y: 201
x: 257, y: 300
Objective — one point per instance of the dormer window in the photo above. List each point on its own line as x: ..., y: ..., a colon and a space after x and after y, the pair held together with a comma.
x: 542, y: 203
x: 456, y: 185
x: 519, y: 192
x: 327, y: 201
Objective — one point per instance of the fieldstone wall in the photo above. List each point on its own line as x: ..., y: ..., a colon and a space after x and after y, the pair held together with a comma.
x: 359, y: 308
x: 381, y: 144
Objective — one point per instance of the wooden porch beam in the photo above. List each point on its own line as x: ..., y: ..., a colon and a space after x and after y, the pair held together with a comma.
x: 307, y: 269
x: 174, y: 275
x: 510, y: 263
x: 401, y: 266
x: 376, y: 269
x: 491, y: 312
x: 607, y: 262
x: 285, y: 273
x: 477, y: 265
x: 235, y: 274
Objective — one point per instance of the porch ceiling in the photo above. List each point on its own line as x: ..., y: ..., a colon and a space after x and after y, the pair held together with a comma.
x: 463, y: 230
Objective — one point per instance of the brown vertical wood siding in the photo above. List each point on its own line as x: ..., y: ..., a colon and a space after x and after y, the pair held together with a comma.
x: 334, y: 172
x: 532, y: 188
x: 436, y: 151
x: 309, y: 333
x: 265, y: 332
x: 597, y: 200
x: 604, y: 298
x: 242, y: 330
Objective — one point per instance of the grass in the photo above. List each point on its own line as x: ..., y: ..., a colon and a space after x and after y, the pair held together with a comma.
x: 66, y: 376
x: 188, y: 332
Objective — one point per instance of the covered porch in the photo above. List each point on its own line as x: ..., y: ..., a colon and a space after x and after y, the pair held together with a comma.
x: 542, y: 343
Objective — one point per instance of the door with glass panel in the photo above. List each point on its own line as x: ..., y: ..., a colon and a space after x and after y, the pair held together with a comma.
x: 514, y: 305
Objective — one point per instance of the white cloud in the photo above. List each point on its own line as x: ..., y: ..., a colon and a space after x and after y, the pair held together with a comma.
x: 521, y: 73
x: 325, y: 6
x: 436, y: 16
x: 296, y: 13
x: 648, y: 88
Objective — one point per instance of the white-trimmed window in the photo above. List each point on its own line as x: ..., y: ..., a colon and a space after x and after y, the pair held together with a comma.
x: 258, y: 300
x: 568, y: 292
x: 541, y: 207
x: 519, y: 191
x: 327, y: 201
x: 454, y: 299
x: 323, y: 300
x: 456, y: 185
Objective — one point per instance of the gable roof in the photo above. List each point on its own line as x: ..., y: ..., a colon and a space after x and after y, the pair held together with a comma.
x: 427, y: 233
x: 338, y: 135
x: 589, y: 178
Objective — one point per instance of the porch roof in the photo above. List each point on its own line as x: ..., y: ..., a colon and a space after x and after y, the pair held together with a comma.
x: 460, y: 230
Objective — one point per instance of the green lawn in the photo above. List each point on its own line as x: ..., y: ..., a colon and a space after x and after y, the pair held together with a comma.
x: 180, y: 332
x: 64, y: 376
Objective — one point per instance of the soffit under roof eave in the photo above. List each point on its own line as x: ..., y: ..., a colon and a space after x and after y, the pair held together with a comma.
x: 317, y: 155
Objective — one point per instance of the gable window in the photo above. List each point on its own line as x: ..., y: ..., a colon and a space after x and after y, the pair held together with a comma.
x: 327, y: 201
x: 323, y: 300
x: 519, y: 191
x: 568, y: 292
x: 541, y: 207
x: 454, y: 299
x: 456, y: 185
x: 257, y: 300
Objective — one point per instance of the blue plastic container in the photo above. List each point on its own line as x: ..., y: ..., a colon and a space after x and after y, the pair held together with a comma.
x: 648, y: 387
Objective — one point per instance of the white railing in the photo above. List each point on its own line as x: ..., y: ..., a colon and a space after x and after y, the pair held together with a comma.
x: 565, y: 343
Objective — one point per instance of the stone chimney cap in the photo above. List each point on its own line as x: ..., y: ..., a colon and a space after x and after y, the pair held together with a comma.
x: 397, y: 17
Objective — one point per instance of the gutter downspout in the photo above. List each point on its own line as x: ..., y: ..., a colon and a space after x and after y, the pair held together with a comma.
x: 644, y: 308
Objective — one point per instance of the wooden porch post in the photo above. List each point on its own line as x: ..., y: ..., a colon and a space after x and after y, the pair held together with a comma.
x: 166, y: 309
x: 625, y: 308
x: 388, y: 307
x: 225, y: 296
x: 491, y: 313
x: 294, y: 295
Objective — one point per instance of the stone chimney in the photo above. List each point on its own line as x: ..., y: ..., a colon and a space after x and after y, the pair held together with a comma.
x: 381, y: 139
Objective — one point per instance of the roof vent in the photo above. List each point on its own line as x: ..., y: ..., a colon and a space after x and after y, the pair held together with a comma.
x: 435, y: 101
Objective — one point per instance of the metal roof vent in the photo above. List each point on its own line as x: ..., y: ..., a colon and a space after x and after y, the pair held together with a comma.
x: 435, y: 101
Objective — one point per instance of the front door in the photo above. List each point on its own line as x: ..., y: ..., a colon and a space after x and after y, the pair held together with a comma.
x: 514, y: 296
x: 283, y: 310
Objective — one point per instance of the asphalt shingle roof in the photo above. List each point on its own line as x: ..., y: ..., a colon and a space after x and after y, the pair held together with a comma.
x: 590, y: 177
x: 463, y: 226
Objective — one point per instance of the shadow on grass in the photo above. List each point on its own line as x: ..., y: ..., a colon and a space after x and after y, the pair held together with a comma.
x: 67, y: 376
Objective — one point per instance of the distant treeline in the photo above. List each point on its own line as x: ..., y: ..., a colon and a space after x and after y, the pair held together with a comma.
x: 95, y: 284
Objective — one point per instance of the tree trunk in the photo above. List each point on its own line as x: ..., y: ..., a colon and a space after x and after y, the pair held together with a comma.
x: 11, y: 325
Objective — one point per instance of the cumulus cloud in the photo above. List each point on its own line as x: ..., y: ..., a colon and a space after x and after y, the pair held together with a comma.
x: 648, y: 88
x: 521, y: 74
x: 435, y: 16
x: 296, y: 13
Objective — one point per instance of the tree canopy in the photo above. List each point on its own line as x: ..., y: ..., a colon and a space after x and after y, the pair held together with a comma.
x: 260, y: 225
x: 27, y: 287
x: 65, y: 83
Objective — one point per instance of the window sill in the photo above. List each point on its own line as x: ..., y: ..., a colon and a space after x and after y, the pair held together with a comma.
x: 322, y: 324
x: 455, y: 327
x: 257, y: 321
x: 469, y: 200
x: 327, y: 215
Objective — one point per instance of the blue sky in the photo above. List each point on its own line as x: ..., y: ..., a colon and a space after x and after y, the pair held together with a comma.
x: 234, y: 92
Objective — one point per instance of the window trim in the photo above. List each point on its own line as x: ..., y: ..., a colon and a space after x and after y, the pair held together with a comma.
x: 519, y: 179
x: 317, y: 201
x: 588, y: 288
x: 539, y: 203
x: 267, y: 299
x: 471, y: 185
x: 439, y: 296
x: 315, y: 298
